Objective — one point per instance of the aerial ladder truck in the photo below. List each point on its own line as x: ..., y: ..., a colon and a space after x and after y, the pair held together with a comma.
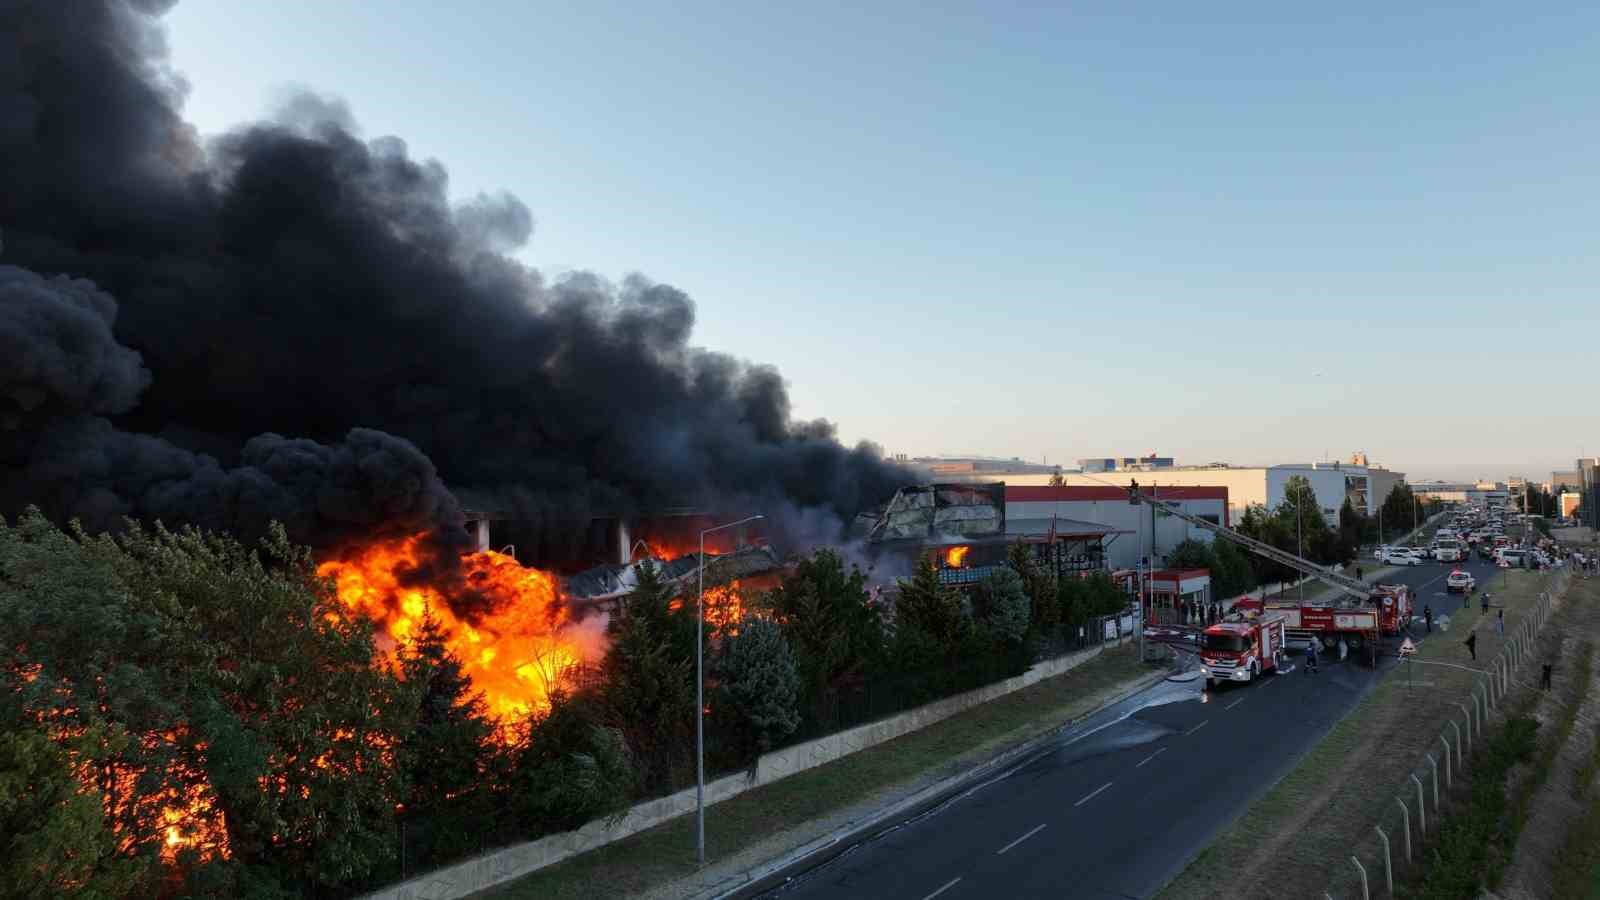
x: 1358, y: 616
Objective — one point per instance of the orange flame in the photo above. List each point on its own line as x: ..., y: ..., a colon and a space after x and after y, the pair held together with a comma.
x: 956, y: 557
x: 516, y: 653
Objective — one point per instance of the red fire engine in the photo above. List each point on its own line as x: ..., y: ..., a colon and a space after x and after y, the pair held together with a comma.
x: 1361, y: 617
x: 1242, y: 648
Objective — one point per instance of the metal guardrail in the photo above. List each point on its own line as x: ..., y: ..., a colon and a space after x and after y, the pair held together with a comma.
x: 1481, y: 702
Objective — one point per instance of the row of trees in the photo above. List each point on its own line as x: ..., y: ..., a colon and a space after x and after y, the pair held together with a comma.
x: 183, y: 715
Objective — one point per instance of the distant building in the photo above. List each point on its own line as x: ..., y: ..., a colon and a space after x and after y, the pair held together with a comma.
x: 1333, y: 482
x: 1125, y: 463
x: 1589, y: 475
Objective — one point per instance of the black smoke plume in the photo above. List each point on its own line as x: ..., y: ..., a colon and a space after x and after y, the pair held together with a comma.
x: 288, y: 322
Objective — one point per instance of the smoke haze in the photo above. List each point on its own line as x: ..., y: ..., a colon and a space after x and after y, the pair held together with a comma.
x: 288, y: 322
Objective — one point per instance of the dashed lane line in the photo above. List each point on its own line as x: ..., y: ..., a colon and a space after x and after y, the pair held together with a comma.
x: 1031, y: 832
x: 1150, y: 757
x: 947, y: 886
x: 1092, y: 794
x: 1196, y: 728
x: 1233, y: 704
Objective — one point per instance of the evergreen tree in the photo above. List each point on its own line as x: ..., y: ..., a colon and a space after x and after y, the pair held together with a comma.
x: 758, y: 687
x: 934, y: 608
x: 1038, y: 581
x: 648, y: 689
x: 1005, y: 604
x: 446, y: 753
x: 835, y: 633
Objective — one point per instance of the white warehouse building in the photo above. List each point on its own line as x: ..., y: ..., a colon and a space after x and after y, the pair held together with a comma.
x: 1365, y: 486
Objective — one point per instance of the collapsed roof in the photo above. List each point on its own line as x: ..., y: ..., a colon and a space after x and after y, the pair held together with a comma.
x: 612, y: 582
x: 937, y: 513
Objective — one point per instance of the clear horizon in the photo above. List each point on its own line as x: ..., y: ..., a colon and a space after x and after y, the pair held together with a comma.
x: 1249, y: 234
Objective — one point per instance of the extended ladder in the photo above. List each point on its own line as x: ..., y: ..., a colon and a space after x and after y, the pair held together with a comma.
x: 1348, y: 585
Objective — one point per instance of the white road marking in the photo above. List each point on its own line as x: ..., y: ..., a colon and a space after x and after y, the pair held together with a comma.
x: 1196, y: 728
x: 1092, y: 794
x: 1233, y: 704
x: 947, y: 886
x: 1150, y: 757
x: 1036, y: 829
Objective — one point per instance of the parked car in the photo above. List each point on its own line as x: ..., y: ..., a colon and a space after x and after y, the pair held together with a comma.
x: 1401, y: 556
x: 1460, y: 582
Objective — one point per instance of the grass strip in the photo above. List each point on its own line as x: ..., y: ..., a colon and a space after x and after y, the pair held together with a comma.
x: 657, y: 857
x: 1476, y: 846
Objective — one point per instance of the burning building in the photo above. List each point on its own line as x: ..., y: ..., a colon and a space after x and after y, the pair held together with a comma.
x: 964, y: 530
x: 289, y: 322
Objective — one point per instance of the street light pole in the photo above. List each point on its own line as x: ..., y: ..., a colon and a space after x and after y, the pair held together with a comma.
x: 700, y: 699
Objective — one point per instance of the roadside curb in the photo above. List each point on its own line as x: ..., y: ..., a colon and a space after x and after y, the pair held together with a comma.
x: 774, y: 873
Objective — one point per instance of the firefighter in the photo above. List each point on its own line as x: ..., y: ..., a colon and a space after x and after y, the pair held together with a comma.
x: 1544, y: 677
x: 1427, y: 617
x: 1311, y: 657
x: 1472, y: 645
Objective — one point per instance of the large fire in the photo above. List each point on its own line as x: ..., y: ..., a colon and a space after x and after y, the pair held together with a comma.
x: 956, y: 557
x: 518, y: 651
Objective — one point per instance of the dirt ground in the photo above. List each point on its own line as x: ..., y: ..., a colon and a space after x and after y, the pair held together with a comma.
x: 1297, y: 840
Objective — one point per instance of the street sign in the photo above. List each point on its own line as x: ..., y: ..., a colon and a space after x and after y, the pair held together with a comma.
x: 1407, y: 648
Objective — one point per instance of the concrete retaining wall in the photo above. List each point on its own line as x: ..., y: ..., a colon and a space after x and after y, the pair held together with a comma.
x: 499, y: 866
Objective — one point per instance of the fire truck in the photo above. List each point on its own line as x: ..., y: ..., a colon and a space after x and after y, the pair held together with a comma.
x: 1359, y: 618
x: 1242, y: 648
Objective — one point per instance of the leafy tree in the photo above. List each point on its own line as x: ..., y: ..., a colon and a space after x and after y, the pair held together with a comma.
x: 446, y: 754
x: 835, y: 633
x: 247, y: 693
x: 1005, y: 606
x: 1266, y: 527
x: 648, y: 689
x: 758, y: 690
x: 1351, y: 526
x: 57, y: 841
x: 1191, y: 554
x: 1233, y: 573
x: 569, y: 769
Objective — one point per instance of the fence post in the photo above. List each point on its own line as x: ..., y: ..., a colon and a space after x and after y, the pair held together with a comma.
x: 1422, y: 810
x: 1447, y: 780
x: 1435, y: 764
x: 1460, y: 751
x: 1406, y: 812
x: 1388, y: 864
x: 1364, y: 894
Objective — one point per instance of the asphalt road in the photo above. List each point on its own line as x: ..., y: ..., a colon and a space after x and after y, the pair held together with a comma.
x: 1120, y: 804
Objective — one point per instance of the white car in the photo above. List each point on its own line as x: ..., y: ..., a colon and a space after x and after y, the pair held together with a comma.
x: 1460, y: 581
x: 1400, y: 557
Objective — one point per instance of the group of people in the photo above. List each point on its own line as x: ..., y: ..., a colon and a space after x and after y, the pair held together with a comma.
x: 1197, y: 613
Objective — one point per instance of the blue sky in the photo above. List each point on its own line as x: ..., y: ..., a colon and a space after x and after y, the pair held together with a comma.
x: 1244, y: 232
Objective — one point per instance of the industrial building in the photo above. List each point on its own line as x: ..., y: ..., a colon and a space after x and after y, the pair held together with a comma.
x: 1127, y: 528
x: 1365, y: 486
x: 1489, y: 493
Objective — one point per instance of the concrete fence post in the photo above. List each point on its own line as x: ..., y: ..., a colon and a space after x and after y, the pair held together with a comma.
x: 1461, y: 750
x: 1443, y: 740
x: 1388, y: 864
x: 1405, y: 811
x: 1434, y: 763
x: 1422, y: 811
x: 1365, y: 895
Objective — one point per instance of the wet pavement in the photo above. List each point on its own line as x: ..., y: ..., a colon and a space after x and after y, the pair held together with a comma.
x: 1119, y: 803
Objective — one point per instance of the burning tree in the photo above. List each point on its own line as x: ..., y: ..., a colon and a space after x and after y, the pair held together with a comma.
x: 221, y: 704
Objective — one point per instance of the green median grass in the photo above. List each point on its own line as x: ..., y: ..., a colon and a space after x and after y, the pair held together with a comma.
x: 654, y: 859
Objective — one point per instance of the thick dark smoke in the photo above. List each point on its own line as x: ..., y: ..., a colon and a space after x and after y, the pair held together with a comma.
x: 289, y: 278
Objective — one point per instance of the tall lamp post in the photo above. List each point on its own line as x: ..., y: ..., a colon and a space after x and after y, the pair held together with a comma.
x: 700, y: 698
